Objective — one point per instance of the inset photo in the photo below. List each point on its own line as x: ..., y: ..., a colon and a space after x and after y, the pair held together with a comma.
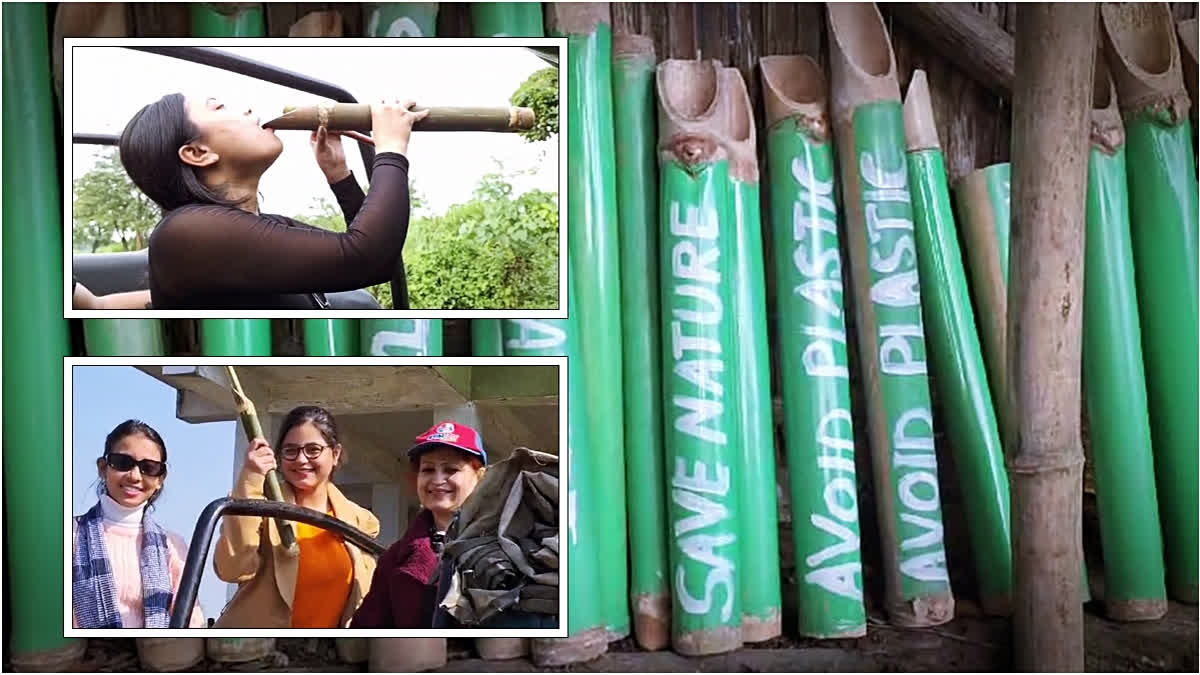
x: 260, y: 497
x: 298, y: 177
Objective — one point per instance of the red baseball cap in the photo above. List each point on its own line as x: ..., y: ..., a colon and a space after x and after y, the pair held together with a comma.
x: 459, y: 436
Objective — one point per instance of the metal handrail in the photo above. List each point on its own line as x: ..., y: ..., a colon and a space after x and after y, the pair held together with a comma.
x: 193, y: 568
x: 233, y: 63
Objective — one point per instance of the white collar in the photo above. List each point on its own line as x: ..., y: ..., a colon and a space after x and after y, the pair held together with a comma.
x: 121, y: 515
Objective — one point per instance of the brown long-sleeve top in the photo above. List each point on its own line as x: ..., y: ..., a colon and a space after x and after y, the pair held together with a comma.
x: 206, y: 256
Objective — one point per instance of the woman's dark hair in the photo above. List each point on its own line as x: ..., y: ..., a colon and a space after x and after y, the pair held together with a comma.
x: 319, y: 418
x: 129, y: 428
x: 149, y: 149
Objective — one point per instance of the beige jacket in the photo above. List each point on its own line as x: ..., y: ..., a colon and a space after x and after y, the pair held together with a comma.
x: 265, y: 573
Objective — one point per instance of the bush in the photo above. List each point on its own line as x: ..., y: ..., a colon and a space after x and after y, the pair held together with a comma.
x: 540, y: 92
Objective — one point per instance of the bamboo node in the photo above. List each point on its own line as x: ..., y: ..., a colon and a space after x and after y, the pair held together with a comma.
x: 692, y: 149
x: 1107, y: 137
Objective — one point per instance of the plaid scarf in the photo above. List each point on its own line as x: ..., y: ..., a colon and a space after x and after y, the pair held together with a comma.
x: 93, y: 590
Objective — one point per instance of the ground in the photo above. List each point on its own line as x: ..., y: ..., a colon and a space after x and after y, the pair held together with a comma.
x: 970, y: 643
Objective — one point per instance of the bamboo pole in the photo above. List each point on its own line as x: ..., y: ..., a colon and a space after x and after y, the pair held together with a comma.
x: 357, y: 117
x: 331, y: 337
x: 957, y: 360
x: 1187, y: 52
x: 1144, y: 60
x: 400, y: 19
x: 36, y: 338
x: 891, y: 339
x: 253, y: 427
x: 1134, y: 588
x: 317, y: 24
x: 585, y: 619
x: 486, y: 338
x: 819, y: 432
x: 400, y: 337
x: 534, y: 337
x: 964, y: 36
x: 634, y: 128
x: 123, y: 337
x: 758, y: 508
x: 507, y: 19
x: 228, y: 19
x: 593, y: 239
x: 697, y: 237
x: 1056, y: 51
x: 235, y: 337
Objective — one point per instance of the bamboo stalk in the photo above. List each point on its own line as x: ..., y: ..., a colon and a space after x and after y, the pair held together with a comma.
x: 357, y: 117
x: 1145, y: 64
x: 318, y: 24
x: 811, y: 339
x: 1056, y: 51
x: 1187, y: 51
x: 964, y: 36
x: 253, y: 427
x: 891, y: 338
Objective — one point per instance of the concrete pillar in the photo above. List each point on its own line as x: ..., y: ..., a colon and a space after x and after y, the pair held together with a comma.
x: 463, y: 413
x: 388, y: 502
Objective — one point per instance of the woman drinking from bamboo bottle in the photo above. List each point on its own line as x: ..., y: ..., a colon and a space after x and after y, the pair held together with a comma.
x: 448, y: 461
x: 324, y: 584
x: 200, y: 162
x: 125, y: 567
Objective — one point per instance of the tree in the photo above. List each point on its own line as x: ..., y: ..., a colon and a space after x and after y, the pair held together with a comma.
x: 540, y: 92
x: 495, y: 251
x: 108, y: 208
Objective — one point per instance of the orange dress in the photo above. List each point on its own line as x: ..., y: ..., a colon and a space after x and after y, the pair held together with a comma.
x: 323, y: 580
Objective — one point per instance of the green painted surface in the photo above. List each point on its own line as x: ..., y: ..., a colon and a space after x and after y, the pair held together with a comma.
x: 534, y: 337
x: 331, y: 337
x: 814, y: 366
x: 758, y: 508
x: 957, y: 368
x: 507, y: 19
x: 35, y: 341
x: 235, y: 337
x: 123, y: 337
x: 486, y: 339
x: 1122, y: 453
x: 227, y: 20
x: 699, y: 389
x: 584, y: 611
x: 401, y: 337
x: 1163, y: 220
x: 637, y: 202
x: 592, y: 211
x: 899, y: 341
x: 400, y: 19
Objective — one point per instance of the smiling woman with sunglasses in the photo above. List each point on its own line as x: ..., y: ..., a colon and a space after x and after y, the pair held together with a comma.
x: 324, y: 585
x: 125, y: 567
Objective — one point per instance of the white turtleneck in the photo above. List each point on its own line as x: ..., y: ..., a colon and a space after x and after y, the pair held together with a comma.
x: 122, y: 528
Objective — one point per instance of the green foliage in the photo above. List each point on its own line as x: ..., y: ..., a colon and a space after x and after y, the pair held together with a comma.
x: 493, y: 252
x: 540, y: 92
x: 109, y: 209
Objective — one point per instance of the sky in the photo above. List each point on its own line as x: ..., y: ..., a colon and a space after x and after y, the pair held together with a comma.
x: 110, y: 84
x: 199, y: 456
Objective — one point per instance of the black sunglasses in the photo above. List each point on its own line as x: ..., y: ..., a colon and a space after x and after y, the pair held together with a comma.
x: 119, y: 461
x: 311, y: 450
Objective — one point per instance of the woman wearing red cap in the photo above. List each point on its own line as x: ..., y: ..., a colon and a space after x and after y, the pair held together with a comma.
x: 448, y: 462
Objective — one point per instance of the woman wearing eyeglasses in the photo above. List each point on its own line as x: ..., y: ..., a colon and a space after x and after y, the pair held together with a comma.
x: 326, y: 582
x: 125, y: 567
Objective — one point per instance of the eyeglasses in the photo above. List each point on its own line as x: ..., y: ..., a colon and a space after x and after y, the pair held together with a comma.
x: 311, y: 451
x: 119, y: 461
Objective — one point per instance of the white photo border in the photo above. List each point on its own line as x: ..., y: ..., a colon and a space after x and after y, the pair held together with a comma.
x: 68, y: 168
x: 69, y: 363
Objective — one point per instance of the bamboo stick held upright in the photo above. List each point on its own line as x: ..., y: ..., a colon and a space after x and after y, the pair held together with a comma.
x: 891, y: 339
x: 1056, y: 53
x: 253, y: 427
x: 1144, y: 60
